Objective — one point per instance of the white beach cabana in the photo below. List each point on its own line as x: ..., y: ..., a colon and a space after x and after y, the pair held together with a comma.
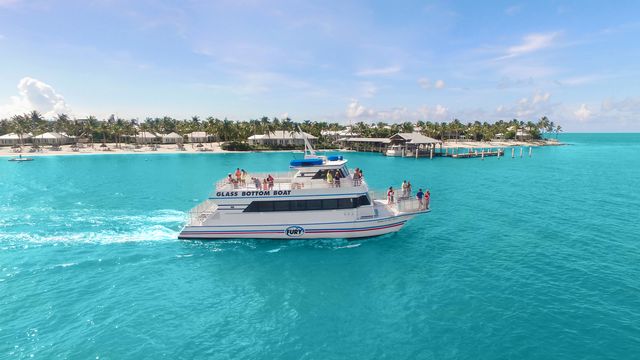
x: 145, y: 137
x: 14, y: 139
x: 197, y: 137
x: 172, y: 138
x: 50, y: 138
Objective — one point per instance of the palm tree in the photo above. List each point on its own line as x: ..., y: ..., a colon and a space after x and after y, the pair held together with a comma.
x: 558, y: 130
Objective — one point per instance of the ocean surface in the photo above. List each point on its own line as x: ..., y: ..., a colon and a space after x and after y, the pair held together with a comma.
x: 525, y: 258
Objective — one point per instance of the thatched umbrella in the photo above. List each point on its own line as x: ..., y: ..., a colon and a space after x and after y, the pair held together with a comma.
x: 199, y: 145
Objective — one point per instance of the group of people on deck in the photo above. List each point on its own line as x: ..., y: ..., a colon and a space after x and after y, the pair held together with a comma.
x: 333, y: 177
x: 357, y: 177
x: 423, y: 198
x: 239, y: 179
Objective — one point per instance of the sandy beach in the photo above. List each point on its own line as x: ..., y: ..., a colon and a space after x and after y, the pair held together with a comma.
x: 112, y: 148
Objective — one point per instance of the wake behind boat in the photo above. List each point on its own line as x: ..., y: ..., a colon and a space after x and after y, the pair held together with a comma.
x: 320, y: 197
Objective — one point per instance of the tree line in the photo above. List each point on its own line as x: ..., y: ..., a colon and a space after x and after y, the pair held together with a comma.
x: 114, y: 129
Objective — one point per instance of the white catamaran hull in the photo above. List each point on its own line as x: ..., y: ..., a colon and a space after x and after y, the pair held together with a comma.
x: 293, y: 231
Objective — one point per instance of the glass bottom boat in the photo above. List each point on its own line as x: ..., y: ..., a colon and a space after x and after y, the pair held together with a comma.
x: 304, y: 203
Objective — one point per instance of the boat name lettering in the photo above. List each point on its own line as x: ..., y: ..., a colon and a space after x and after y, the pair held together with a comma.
x: 253, y: 193
x: 294, y: 231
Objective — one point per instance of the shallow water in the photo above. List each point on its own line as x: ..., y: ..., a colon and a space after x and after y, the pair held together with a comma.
x: 520, y: 258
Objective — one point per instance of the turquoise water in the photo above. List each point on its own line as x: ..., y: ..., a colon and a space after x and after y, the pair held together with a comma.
x: 528, y: 258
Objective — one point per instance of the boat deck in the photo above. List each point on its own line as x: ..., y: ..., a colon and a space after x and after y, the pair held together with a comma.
x: 286, y: 181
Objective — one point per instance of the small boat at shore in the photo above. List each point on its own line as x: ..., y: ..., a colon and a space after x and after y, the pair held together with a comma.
x: 20, y: 158
x: 299, y: 204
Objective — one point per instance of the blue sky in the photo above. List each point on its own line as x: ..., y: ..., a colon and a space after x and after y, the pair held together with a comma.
x: 346, y: 61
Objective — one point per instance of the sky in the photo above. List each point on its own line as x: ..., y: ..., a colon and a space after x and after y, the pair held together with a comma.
x: 576, y: 62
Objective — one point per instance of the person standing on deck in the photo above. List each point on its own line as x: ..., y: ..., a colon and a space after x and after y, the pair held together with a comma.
x: 356, y: 177
x: 330, y: 178
x: 270, y: 180
x: 427, y: 197
x: 420, y: 197
x: 390, y: 195
x: 404, y: 188
x: 243, y: 177
x: 336, y: 178
x: 408, y: 189
x: 238, y: 175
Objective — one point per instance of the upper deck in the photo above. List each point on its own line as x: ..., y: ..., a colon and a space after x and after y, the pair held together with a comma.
x: 291, y: 180
x: 308, y: 173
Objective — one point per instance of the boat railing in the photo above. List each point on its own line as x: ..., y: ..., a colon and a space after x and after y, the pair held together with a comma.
x: 401, y: 203
x: 286, y: 181
x: 201, y: 212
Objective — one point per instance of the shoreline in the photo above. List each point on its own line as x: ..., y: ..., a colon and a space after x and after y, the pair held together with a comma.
x: 215, y: 148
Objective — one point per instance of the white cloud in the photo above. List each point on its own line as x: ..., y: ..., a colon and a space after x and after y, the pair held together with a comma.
x: 425, y: 83
x: 583, y: 113
x: 369, y: 90
x: 512, y: 10
x: 6, y: 3
x: 379, y: 71
x: 36, y: 95
x: 355, y: 110
x: 537, y: 98
x: 531, y: 43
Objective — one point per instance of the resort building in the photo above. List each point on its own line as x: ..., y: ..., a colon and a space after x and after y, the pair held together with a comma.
x: 281, y: 138
x: 14, y: 139
x: 145, y: 137
x: 172, y: 138
x: 413, y: 144
x: 339, y: 134
x: 197, y: 137
x: 51, y: 138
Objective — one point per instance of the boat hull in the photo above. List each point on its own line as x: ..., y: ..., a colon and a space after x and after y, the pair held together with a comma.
x: 293, y: 231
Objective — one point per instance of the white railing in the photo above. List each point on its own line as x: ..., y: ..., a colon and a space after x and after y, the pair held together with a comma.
x: 400, y: 203
x: 286, y: 181
x: 201, y: 212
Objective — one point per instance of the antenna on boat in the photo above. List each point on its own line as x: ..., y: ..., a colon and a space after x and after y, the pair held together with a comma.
x: 309, y: 152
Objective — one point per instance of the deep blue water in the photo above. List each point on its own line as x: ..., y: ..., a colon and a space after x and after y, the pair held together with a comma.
x: 526, y: 258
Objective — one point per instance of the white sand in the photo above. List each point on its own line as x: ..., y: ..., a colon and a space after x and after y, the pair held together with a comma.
x: 112, y: 149
x: 215, y: 148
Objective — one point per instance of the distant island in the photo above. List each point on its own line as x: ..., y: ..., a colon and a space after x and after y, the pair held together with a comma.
x: 33, y: 133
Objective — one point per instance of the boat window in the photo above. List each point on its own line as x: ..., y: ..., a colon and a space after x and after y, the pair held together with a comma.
x: 321, y: 174
x: 298, y: 205
x: 265, y: 206
x: 346, y: 204
x: 363, y: 200
x: 303, y: 205
x: 280, y: 206
x: 314, y: 204
x: 329, y: 204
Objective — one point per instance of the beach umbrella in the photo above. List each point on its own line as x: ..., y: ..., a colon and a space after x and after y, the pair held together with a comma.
x: 103, y: 145
x: 199, y: 145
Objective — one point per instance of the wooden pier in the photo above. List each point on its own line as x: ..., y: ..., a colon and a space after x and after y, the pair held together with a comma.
x: 473, y: 153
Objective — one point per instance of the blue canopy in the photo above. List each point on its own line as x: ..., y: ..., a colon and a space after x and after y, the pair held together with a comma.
x: 334, y: 157
x: 305, y: 162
